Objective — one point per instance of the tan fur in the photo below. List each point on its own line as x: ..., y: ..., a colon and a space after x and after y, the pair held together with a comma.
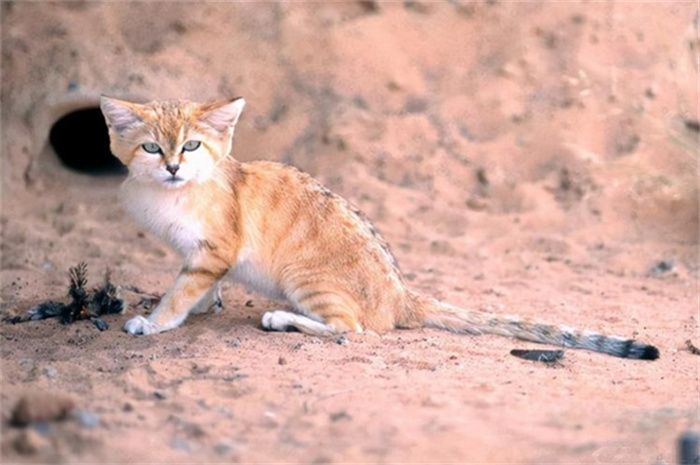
x: 280, y: 232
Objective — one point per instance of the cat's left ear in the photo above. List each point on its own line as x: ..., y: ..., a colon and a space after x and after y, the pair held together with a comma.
x: 223, y: 116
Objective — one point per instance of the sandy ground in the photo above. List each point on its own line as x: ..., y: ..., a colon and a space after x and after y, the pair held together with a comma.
x: 525, y: 158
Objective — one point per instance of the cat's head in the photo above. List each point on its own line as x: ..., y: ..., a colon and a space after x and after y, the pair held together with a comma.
x: 172, y: 142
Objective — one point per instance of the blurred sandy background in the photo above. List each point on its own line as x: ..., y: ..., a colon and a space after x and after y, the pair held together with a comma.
x: 532, y: 158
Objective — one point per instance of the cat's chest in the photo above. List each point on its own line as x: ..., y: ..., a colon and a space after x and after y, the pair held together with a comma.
x: 168, y: 215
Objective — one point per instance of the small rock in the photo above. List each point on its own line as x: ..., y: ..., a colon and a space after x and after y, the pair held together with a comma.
x: 28, y: 442
x: 87, y: 419
x: 688, y: 447
x: 415, y: 105
x: 27, y: 363
x: 224, y: 411
x: 693, y: 125
x: 42, y: 428
x: 340, y: 415
x: 477, y: 203
x: 441, y: 247
x: 282, y: 361
x: 223, y: 448
x: 418, y: 7
x: 661, y: 267
x: 100, y: 324
x: 38, y: 407
x: 51, y: 372
x: 371, y: 6
x: 628, y: 144
x: 159, y: 395
x: 180, y: 444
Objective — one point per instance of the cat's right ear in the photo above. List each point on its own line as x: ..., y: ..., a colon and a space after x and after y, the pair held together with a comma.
x: 119, y: 114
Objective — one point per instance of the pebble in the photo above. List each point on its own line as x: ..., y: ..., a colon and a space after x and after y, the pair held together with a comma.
x: 87, y: 419
x: 180, y: 444
x: 661, y: 267
x: 224, y: 411
x: 100, y: 324
x: 224, y: 447
x: 688, y: 447
x: 27, y: 363
x: 37, y: 407
x: 42, y: 428
x: 28, y: 442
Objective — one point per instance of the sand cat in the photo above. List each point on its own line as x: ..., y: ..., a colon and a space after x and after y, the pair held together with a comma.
x: 279, y: 232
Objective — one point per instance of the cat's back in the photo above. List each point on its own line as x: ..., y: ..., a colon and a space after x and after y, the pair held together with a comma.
x: 280, y: 196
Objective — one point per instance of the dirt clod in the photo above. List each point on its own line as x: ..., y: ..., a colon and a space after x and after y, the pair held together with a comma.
x: 28, y: 442
x: 39, y: 407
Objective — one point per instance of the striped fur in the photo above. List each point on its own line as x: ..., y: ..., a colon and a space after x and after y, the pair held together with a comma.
x: 279, y: 232
x: 445, y: 316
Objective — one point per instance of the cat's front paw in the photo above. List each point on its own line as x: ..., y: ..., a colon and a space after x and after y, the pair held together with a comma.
x: 141, y: 325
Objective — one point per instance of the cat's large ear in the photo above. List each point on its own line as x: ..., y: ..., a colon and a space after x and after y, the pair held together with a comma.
x: 223, y: 116
x: 119, y: 114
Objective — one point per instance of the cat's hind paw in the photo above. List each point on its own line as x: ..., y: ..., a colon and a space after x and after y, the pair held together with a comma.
x: 140, y: 325
x: 278, y: 320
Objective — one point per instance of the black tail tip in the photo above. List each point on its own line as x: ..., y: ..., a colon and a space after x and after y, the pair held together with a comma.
x: 637, y: 350
x: 648, y: 353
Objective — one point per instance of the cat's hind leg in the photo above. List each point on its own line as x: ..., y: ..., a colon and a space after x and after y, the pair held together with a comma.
x: 281, y: 320
x: 320, y: 315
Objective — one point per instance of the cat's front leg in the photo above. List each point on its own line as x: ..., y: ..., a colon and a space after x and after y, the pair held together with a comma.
x: 193, y: 286
x: 212, y: 302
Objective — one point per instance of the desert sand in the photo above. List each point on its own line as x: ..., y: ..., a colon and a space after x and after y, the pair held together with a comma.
x: 529, y: 158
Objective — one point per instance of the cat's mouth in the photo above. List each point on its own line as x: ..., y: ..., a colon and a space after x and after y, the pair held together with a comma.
x: 174, y: 181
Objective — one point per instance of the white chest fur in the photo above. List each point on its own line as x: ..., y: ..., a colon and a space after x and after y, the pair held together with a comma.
x: 164, y: 213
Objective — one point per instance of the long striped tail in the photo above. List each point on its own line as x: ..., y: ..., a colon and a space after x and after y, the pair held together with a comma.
x: 437, y: 314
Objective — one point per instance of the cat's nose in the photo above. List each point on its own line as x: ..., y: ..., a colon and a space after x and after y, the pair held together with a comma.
x: 172, y: 169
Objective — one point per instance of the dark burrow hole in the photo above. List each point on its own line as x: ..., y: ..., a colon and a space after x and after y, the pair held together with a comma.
x: 81, y: 141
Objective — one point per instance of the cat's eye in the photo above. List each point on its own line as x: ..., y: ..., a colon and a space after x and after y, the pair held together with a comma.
x: 150, y: 147
x: 191, y: 146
